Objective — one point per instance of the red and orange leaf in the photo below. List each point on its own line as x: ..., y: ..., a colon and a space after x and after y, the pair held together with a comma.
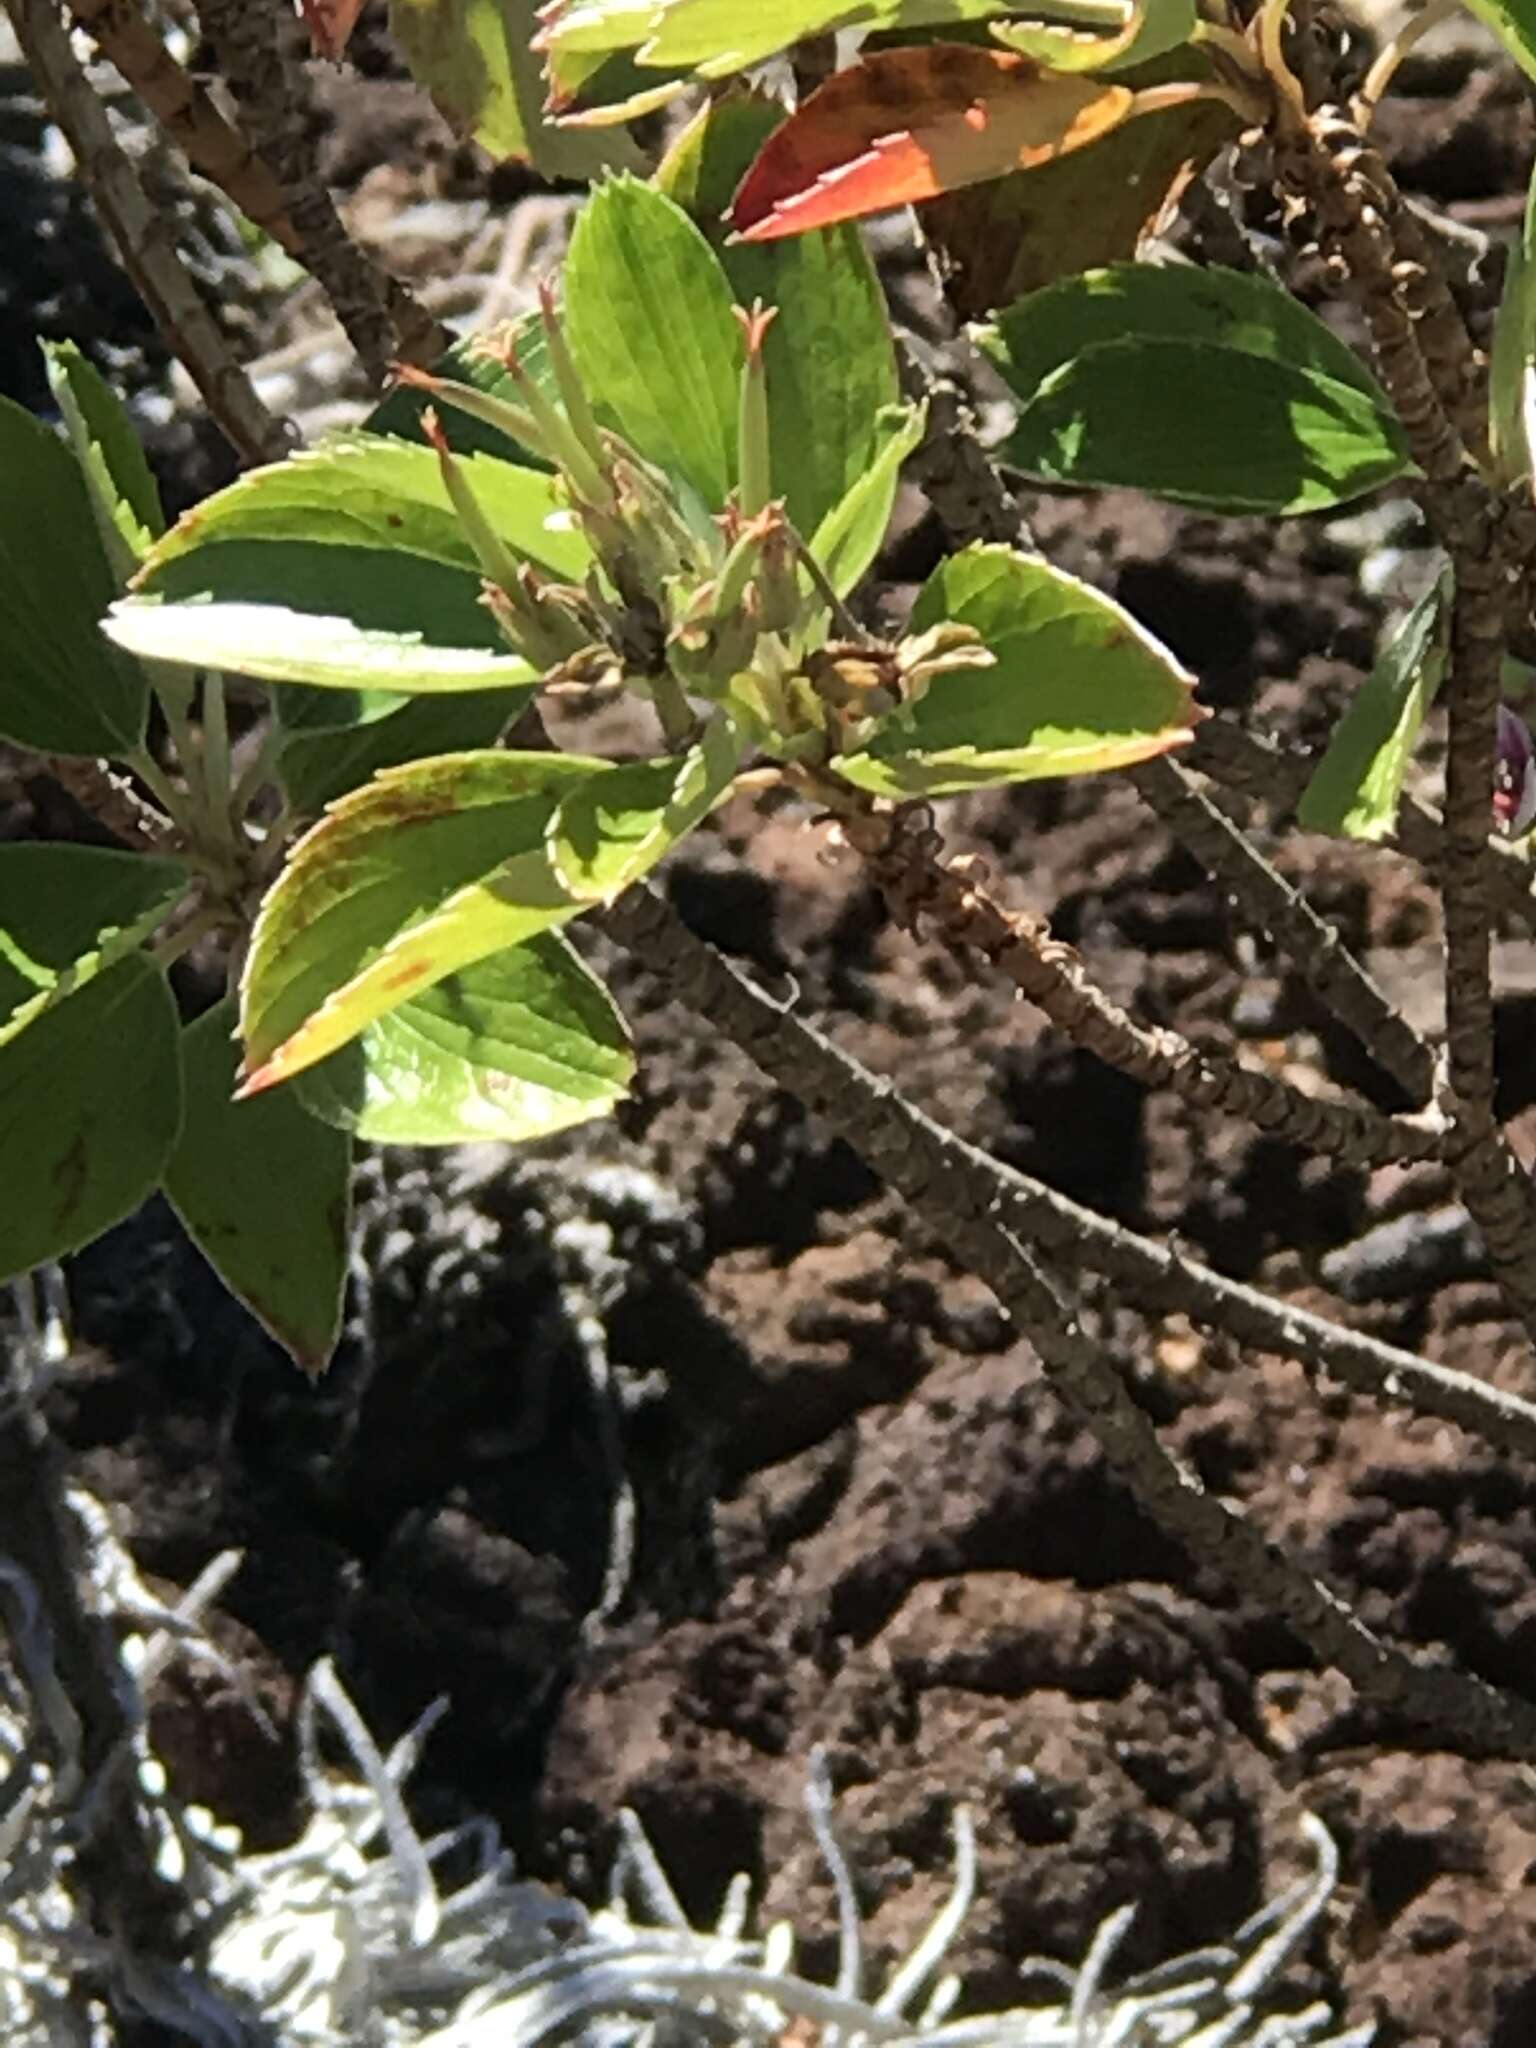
x: 905, y: 125
x: 330, y: 24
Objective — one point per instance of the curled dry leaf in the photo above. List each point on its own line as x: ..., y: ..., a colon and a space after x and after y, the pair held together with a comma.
x: 905, y: 125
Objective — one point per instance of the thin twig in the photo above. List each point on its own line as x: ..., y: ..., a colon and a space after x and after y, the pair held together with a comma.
x: 212, y: 144
x: 383, y: 322
x: 903, y: 853
x: 1311, y: 944
x: 145, y: 245
x: 920, y: 1163
x: 112, y: 800
x: 1276, y: 772
x: 966, y: 489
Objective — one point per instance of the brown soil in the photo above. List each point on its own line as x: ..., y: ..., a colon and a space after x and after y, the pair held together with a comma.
x: 861, y: 1520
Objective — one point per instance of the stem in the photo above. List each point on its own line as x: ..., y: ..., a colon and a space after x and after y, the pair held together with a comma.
x: 916, y: 1158
x: 215, y: 757
x: 1310, y: 943
x: 115, y: 803
x: 145, y: 245
x: 1408, y: 37
x: 381, y: 318
x: 176, y: 803
x: 197, y: 928
x: 904, y: 860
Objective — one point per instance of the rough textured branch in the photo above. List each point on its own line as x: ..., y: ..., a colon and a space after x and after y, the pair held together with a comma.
x: 382, y: 320
x: 113, y: 801
x: 1312, y: 945
x: 145, y: 245
x: 903, y: 855
x: 894, y: 1139
x: 212, y: 145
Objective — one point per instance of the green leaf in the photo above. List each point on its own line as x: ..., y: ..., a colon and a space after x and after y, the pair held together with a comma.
x: 1205, y: 386
x: 516, y: 1047
x: 848, y: 538
x: 475, y: 59
x: 63, y: 690
x: 263, y: 1189
x: 398, y: 414
x: 1512, y: 358
x: 669, y: 384
x: 68, y: 912
x: 123, y: 491
x: 615, y: 828
x: 321, y: 764
x: 1152, y: 28
x: 346, y: 567
x: 442, y: 863
x: 90, y: 1106
x: 718, y: 37
x: 1514, y: 23
x: 1077, y: 686
x: 1355, y: 788
x: 829, y: 359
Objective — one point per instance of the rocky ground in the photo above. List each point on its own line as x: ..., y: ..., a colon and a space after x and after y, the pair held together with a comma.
x: 675, y: 1448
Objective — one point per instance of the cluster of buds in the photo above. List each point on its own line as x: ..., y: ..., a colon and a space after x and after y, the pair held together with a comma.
x: 682, y: 601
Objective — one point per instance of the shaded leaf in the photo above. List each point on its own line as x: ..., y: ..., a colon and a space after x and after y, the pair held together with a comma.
x: 63, y: 690
x: 263, y: 1189
x: 90, y: 1106
x: 828, y: 357
x: 345, y: 566
x: 67, y: 912
x: 475, y: 58
x: 1512, y: 358
x: 398, y: 413
x: 322, y: 763
x: 1019, y: 233
x: 1356, y: 786
x: 669, y: 384
x: 117, y: 475
x: 515, y: 1047
x: 1205, y: 386
x: 907, y: 124
x: 1077, y: 686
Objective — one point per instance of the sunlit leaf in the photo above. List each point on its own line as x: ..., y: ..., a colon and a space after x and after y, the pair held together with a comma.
x: 124, y: 492
x: 1356, y: 786
x: 848, y: 538
x: 475, y: 58
x: 442, y: 863
x: 828, y: 358
x: 515, y: 1047
x: 1077, y: 686
x: 1514, y: 23
x: 669, y: 383
x: 67, y: 912
x: 1150, y: 28
x: 1209, y: 387
x: 907, y: 124
x: 90, y: 1106
x: 263, y: 1189
x: 63, y: 690
x: 345, y: 567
